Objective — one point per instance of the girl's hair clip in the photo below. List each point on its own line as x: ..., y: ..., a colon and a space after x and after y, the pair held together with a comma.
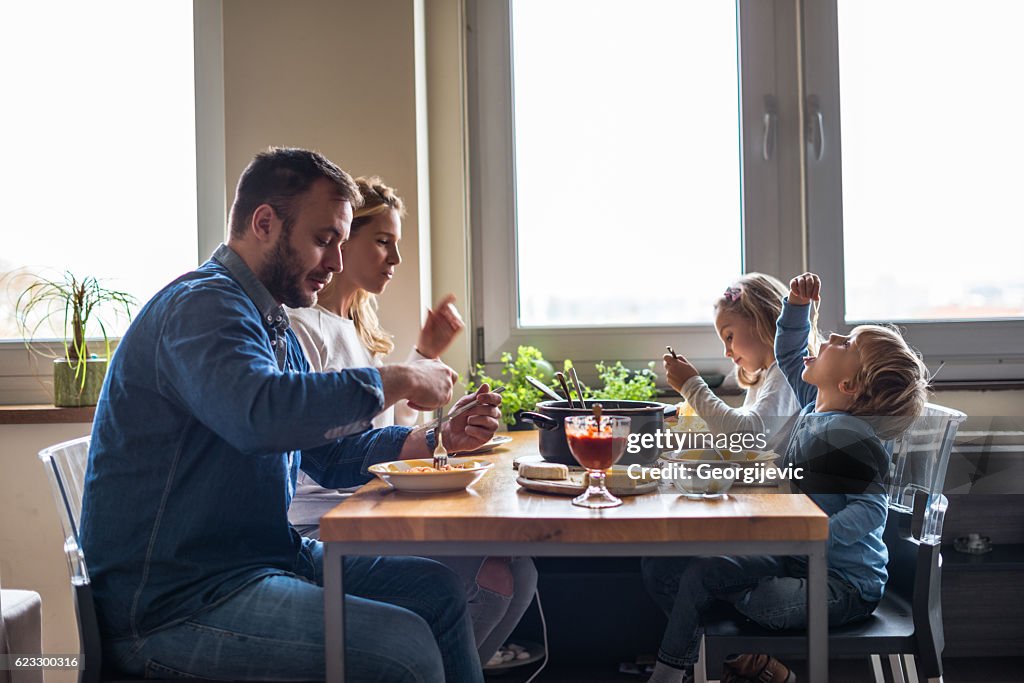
x: 732, y: 294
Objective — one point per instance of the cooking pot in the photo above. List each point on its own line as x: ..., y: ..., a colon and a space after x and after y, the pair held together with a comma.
x: 646, y: 417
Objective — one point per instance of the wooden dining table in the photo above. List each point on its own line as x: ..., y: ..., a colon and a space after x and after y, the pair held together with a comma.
x: 496, y: 516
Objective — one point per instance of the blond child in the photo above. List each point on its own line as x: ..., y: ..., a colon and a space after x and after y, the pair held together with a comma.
x: 858, y: 389
x: 745, y: 318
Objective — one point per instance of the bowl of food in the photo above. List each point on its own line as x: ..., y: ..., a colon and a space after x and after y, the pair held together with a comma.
x: 420, y: 476
x: 743, y: 459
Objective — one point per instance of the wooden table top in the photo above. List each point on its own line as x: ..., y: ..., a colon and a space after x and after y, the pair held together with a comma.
x: 497, y: 508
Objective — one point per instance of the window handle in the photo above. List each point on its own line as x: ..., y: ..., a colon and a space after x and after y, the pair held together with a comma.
x: 770, y: 119
x: 815, y: 127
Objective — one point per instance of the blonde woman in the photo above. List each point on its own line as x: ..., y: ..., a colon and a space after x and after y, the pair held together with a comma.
x: 341, y: 331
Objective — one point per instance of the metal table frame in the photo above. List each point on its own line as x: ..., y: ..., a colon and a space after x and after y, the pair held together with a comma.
x: 815, y: 551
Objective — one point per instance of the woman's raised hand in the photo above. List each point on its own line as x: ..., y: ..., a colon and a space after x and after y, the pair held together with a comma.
x: 804, y: 288
x: 443, y: 324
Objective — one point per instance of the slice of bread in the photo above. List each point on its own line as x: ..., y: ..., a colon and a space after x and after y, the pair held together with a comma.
x: 547, y: 471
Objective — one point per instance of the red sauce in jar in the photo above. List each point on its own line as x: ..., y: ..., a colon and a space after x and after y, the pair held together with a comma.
x: 596, y: 451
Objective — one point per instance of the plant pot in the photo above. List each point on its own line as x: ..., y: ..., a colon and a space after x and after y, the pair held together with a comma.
x: 68, y: 390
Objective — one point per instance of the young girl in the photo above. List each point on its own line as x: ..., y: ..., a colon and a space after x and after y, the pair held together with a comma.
x: 745, y: 318
x: 342, y: 330
x: 859, y: 389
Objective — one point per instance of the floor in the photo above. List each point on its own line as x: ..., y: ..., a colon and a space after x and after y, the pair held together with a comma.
x: 987, y: 670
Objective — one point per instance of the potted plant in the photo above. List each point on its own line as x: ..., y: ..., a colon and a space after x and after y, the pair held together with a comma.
x: 621, y: 383
x: 519, y: 395
x: 82, y: 304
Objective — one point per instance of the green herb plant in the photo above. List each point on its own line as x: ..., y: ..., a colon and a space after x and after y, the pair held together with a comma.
x: 519, y: 395
x: 620, y: 383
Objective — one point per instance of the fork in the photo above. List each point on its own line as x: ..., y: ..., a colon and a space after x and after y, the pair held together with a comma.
x: 440, y: 452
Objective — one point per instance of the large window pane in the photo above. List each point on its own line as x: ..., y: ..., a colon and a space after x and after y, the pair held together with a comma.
x: 931, y: 158
x: 627, y: 160
x: 98, y: 124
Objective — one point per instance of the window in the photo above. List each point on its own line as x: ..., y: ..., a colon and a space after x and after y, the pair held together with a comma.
x: 604, y: 109
x: 626, y: 134
x: 100, y: 143
x: 912, y: 192
x: 900, y: 193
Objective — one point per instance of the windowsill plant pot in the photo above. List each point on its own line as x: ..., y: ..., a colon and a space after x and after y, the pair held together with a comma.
x: 69, y: 391
x: 75, y: 307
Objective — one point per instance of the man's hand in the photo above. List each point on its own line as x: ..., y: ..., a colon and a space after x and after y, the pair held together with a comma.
x: 477, y: 425
x: 427, y: 384
x: 442, y: 325
x: 679, y: 370
x: 804, y: 288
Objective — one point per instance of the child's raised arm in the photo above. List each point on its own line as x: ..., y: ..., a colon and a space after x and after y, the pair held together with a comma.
x: 793, y: 331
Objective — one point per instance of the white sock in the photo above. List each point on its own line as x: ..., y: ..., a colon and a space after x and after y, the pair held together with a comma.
x: 663, y: 673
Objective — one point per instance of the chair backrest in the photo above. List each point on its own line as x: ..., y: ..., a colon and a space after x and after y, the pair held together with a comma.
x: 65, y: 465
x: 921, y: 455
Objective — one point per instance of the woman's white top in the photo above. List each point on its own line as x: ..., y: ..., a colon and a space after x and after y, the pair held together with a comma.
x: 331, y: 343
x: 770, y: 407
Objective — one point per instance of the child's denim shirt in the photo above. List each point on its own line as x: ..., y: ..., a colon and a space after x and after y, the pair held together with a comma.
x: 844, y: 465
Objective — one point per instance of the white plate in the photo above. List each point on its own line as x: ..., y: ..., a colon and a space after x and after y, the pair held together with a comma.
x: 497, y: 440
x: 573, y: 486
x: 398, y: 476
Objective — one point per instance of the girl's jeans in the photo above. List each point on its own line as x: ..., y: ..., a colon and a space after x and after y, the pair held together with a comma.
x: 770, y: 591
x: 405, y: 621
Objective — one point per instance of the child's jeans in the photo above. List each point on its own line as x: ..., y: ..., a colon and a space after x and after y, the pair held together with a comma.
x: 770, y: 591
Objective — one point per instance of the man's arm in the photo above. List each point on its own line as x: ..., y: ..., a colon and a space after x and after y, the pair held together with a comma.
x: 215, y: 359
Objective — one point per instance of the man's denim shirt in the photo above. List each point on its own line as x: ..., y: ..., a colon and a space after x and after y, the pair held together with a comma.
x: 856, y: 517
x: 196, y: 444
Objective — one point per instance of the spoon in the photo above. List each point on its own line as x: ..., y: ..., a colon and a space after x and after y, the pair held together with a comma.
x: 672, y: 351
x: 579, y: 389
x: 565, y: 388
x: 543, y: 388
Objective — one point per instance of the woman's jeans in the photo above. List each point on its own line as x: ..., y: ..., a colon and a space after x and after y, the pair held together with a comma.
x: 405, y: 621
x: 770, y: 591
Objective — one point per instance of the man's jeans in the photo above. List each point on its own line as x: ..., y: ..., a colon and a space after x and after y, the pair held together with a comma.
x: 770, y: 591
x: 405, y: 621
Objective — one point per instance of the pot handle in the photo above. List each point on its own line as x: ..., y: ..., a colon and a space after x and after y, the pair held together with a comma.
x: 543, y: 421
x: 669, y: 410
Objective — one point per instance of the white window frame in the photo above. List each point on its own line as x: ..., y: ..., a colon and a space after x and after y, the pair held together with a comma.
x: 973, y: 350
x: 26, y: 378
x: 771, y: 213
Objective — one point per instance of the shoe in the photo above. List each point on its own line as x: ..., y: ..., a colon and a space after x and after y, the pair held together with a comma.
x: 756, y: 669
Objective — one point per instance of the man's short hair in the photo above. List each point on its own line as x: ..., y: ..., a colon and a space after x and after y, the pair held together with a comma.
x: 279, y: 176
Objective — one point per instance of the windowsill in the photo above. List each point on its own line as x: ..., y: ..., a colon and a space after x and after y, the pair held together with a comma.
x: 45, y: 414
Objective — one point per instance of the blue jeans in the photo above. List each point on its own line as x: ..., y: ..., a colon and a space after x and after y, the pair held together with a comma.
x: 494, y: 614
x: 405, y: 621
x: 770, y: 591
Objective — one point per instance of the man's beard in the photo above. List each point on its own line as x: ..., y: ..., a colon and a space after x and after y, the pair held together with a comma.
x: 283, y: 275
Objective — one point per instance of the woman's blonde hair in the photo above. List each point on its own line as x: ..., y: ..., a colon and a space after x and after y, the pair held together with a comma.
x: 892, y: 381
x: 378, y: 198
x: 757, y: 297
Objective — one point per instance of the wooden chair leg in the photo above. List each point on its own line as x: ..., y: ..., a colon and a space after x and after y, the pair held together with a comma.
x: 876, y: 667
x: 911, y: 664
x: 896, y: 662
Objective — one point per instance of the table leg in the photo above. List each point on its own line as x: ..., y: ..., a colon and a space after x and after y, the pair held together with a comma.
x: 817, y: 614
x: 334, y: 613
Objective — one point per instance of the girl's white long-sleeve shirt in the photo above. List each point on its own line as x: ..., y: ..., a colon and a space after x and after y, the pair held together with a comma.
x: 770, y: 407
